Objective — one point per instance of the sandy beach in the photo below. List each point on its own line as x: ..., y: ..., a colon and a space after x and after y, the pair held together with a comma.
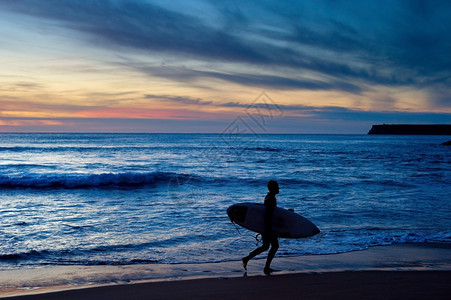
x: 334, y: 285
x: 397, y: 271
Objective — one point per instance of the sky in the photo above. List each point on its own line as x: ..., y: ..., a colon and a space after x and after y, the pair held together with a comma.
x: 264, y: 66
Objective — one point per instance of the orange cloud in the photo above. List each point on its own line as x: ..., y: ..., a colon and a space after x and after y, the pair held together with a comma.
x: 148, y: 113
x: 19, y: 123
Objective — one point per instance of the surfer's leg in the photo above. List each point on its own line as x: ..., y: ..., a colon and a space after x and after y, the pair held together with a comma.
x: 264, y: 247
x: 256, y: 252
x: 271, y: 254
x: 244, y: 261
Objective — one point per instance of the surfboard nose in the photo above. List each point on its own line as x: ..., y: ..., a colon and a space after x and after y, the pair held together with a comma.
x: 314, y: 232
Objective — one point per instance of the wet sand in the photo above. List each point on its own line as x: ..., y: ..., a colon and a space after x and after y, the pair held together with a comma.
x: 399, y: 271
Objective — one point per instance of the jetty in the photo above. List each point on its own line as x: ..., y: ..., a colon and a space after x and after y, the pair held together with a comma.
x: 411, y: 129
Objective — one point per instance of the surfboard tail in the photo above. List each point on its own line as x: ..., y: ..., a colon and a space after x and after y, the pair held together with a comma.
x: 237, y: 213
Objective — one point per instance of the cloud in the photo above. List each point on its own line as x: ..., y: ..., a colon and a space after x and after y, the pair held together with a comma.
x: 140, y: 25
x: 21, y: 87
x: 179, y: 99
x: 319, y: 120
x: 346, y: 46
x: 280, y: 82
x: 264, y: 81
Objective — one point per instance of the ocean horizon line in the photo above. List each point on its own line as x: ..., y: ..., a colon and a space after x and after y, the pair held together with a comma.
x: 212, y: 133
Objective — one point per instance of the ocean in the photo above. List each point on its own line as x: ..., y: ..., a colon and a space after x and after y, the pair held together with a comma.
x: 120, y: 199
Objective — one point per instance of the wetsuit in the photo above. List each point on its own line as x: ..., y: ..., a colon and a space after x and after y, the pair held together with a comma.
x: 269, y: 238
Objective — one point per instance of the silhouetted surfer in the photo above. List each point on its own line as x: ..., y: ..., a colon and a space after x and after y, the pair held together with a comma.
x: 269, y: 238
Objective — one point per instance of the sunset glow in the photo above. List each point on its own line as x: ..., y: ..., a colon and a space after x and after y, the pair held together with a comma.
x: 195, y: 66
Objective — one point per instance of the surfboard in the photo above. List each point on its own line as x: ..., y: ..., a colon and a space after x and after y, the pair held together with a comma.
x: 285, y: 223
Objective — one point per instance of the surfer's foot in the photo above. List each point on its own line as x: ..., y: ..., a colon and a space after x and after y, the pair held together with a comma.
x: 268, y: 270
x: 244, y: 262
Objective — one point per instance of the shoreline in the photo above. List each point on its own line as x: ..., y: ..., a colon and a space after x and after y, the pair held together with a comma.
x: 416, y: 258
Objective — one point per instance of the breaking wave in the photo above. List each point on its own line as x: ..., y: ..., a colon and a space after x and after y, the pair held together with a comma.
x: 105, y: 180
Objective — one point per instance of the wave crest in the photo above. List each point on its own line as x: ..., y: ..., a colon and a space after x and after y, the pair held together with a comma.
x: 104, y: 180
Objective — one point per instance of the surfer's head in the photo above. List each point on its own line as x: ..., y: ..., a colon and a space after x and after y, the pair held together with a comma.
x: 273, y: 187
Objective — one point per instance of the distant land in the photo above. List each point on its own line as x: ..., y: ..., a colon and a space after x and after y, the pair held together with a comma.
x: 413, y: 129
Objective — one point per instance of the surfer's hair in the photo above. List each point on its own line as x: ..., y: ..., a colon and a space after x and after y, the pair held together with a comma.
x: 272, y: 184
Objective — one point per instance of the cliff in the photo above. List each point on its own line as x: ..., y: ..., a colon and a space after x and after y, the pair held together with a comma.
x: 411, y: 129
